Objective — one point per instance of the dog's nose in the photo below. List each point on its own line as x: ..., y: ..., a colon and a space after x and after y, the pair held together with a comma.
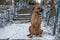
x: 41, y: 10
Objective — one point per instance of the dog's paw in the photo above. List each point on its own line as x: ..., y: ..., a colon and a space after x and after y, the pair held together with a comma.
x: 28, y: 35
x: 40, y: 35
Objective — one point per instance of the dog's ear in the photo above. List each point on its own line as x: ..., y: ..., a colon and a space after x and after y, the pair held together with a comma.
x: 33, y: 8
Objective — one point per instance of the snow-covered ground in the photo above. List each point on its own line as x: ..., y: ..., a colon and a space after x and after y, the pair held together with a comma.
x: 19, y: 30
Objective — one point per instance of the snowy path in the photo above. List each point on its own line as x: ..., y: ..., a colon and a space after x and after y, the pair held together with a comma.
x: 20, y: 31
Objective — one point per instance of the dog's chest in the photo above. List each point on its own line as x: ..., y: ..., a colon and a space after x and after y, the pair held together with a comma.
x: 35, y: 18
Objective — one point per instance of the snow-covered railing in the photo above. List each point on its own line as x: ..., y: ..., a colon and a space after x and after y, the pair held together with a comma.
x: 5, y: 16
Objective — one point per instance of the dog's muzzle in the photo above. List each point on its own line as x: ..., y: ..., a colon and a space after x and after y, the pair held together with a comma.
x: 39, y: 13
x: 41, y: 10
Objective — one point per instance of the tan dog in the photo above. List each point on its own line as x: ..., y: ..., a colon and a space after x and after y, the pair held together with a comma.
x: 34, y: 29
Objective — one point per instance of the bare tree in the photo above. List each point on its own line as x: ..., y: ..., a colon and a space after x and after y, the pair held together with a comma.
x: 53, y: 10
x: 51, y: 3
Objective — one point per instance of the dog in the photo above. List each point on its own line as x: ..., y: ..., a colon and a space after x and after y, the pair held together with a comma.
x: 35, y: 28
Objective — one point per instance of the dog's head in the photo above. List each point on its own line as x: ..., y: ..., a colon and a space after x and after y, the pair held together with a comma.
x: 37, y: 9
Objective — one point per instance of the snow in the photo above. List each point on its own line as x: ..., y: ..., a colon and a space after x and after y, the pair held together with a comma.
x: 20, y: 31
x: 25, y: 14
x: 38, y: 1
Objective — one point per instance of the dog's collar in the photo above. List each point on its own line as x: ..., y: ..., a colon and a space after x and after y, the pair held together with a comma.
x: 38, y: 13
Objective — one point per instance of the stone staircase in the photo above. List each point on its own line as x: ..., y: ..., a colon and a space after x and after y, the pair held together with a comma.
x: 24, y: 14
x: 24, y: 17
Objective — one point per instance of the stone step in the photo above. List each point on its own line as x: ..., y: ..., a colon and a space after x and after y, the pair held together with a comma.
x: 24, y: 14
x: 28, y: 10
x: 21, y: 18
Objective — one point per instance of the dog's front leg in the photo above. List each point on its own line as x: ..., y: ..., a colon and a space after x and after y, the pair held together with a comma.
x: 31, y: 30
x: 40, y: 33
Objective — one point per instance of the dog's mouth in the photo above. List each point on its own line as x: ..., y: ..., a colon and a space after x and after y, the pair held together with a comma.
x: 39, y: 13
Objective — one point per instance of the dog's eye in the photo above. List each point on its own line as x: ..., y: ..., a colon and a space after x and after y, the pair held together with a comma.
x: 38, y: 8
